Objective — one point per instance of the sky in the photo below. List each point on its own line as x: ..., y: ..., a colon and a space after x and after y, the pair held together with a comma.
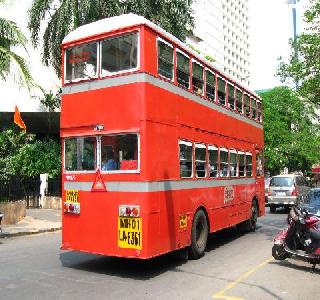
x: 270, y: 29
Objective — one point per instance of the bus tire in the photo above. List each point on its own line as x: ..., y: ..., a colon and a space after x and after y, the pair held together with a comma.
x: 199, y: 235
x: 250, y: 225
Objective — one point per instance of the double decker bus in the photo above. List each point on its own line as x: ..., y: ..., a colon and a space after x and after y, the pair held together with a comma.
x: 160, y: 148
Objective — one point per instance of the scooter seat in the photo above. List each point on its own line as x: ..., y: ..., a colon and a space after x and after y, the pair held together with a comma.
x: 315, y: 234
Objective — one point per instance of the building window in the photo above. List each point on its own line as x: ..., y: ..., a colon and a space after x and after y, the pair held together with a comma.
x: 165, y: 60
x: 241, y: 156
x: 248, y: 164
x: 233, y: 163
x: 197, y: 78
x: 224, y: 162
x: 213, y: 161
x: 183, y: 70
x: 221, y: 91
x: 231, y: 96
x: 200, y: 160
x: 119, y: 53
x: 185, y: 155
x: 210, y: 85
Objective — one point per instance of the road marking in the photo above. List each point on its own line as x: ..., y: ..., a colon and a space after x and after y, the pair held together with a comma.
x: 221, y: 294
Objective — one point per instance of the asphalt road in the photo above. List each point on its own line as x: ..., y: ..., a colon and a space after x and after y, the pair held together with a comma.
x: 234, y: 267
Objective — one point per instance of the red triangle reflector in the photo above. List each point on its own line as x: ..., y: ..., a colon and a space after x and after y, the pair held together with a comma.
x: 98, y: 184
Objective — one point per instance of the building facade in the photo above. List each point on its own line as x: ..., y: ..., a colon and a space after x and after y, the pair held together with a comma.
x: 221, y: 32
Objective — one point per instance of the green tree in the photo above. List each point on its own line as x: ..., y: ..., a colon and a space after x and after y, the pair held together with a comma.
x: 292, y: 134
x: 303, y: 66
x: 11, y: 37
x: 65, y: 15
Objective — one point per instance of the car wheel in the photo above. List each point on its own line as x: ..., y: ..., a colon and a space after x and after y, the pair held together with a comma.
x: 199, y: 235
x: 272, y: 209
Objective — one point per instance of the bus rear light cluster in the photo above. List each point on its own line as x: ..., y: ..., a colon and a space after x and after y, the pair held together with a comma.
x: 129, y: 211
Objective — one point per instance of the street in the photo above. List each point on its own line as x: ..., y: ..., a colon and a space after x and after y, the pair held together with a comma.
x: 234, y: 267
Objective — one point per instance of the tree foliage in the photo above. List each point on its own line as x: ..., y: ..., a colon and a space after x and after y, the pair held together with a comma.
x: 65, y: 15
x: 22, y: 155
x: 292, y: 131
x: 10, y: 37
x: 303, y: 66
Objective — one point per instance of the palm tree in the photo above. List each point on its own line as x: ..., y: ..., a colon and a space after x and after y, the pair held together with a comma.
x: 65, y: 15
x: 11, y: 36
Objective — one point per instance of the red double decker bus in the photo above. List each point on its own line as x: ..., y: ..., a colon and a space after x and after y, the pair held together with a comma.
x: 160, y: 148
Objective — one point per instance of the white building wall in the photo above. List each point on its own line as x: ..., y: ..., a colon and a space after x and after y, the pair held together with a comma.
x: 222, y: 27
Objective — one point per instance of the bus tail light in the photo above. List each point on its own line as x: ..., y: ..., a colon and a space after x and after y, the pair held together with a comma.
x: 129, y: 211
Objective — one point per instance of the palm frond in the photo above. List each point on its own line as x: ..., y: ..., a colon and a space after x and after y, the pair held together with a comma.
x: 10, y: 32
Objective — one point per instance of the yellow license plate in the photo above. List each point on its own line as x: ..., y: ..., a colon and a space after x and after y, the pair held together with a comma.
x: 72, y: 196
x: 130, y: 233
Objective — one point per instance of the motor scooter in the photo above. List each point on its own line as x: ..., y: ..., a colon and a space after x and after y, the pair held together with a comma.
x: 301, y: 240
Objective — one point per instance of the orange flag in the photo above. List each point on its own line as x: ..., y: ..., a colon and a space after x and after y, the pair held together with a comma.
x: 17, y: 119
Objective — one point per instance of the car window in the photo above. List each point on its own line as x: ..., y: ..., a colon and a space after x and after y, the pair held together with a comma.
x: 281, y: 181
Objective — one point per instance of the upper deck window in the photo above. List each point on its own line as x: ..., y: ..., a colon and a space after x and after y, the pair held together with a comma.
x: 231, y: 96
x: 183, y: 70
x: 239, y: 100
x: 221, y: 91
x: 197, y: 78
x: 81, y: 62
x: 210, y: 85
x: 246, y: 107
x: 165, y: 60
x: 119, y: 53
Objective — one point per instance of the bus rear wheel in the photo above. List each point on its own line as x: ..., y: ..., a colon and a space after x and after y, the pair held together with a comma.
x: 199, y: 235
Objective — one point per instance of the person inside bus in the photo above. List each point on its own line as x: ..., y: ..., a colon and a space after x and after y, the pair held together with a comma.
x: 110, y: 163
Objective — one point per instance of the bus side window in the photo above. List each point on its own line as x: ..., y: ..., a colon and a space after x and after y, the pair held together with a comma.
x: 200, y: 160
x: 233, y: 163
x: 231, y: 96
x: 239, y: 101
x: 259, y: 111
x: 185, y: 156
x: 210, y: 85
x: 213, y: 161
x: 224, y: 162
x: 241, y: 164
x: 197, y: 78
x: 259, y: 163
x: 248, y: 164
x: 221, y: 91
x: 254, y: 108
x: 165, y: 60
x: 247, y: 105
x: 183, y: 70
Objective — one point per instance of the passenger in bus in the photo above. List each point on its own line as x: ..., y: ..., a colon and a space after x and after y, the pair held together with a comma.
x: 110, y: 163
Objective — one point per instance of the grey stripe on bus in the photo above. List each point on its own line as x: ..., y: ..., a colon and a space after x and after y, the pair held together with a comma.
x: 157, y: 186
x: 143, y: 77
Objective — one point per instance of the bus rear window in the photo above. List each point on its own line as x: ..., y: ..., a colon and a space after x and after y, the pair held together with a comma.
x: 119, y: 53
x: 80, y: 154
x: 119, y: 152
x: 81, y: 62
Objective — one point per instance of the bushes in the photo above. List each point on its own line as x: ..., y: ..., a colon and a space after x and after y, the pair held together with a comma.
x: 22, y: 155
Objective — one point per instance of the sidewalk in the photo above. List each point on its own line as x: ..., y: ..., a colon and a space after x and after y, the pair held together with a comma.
x: 37, y: 220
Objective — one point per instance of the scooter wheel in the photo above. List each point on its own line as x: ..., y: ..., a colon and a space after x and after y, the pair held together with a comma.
x: 278, y: 253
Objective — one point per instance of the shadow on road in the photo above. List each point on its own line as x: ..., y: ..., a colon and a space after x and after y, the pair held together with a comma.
x: 295, y: 265
x: 123, y: 267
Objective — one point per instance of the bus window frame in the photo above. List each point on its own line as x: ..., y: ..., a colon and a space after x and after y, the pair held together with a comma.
x: 176, y: 69
x: 137, y: 68
x: 224, y: 149
x: 225, y: 90
x: 65, y: 171
x: 214, y: 147
x: 242, y: 152
x: 215, y: 84
x: 233, y: 151
x: 173, y: 60
x: 200, y: 146
x: 193, y: 60
x: 234, y: 95
x: 97, y: 75
x: 121, y: 171
x: 247, y: 153
x: 187, y: 143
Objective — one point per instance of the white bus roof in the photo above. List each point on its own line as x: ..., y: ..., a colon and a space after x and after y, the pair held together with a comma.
x: 130, y: 20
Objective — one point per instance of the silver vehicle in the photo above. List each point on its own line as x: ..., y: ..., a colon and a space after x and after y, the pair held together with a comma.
x: 286, y: 190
